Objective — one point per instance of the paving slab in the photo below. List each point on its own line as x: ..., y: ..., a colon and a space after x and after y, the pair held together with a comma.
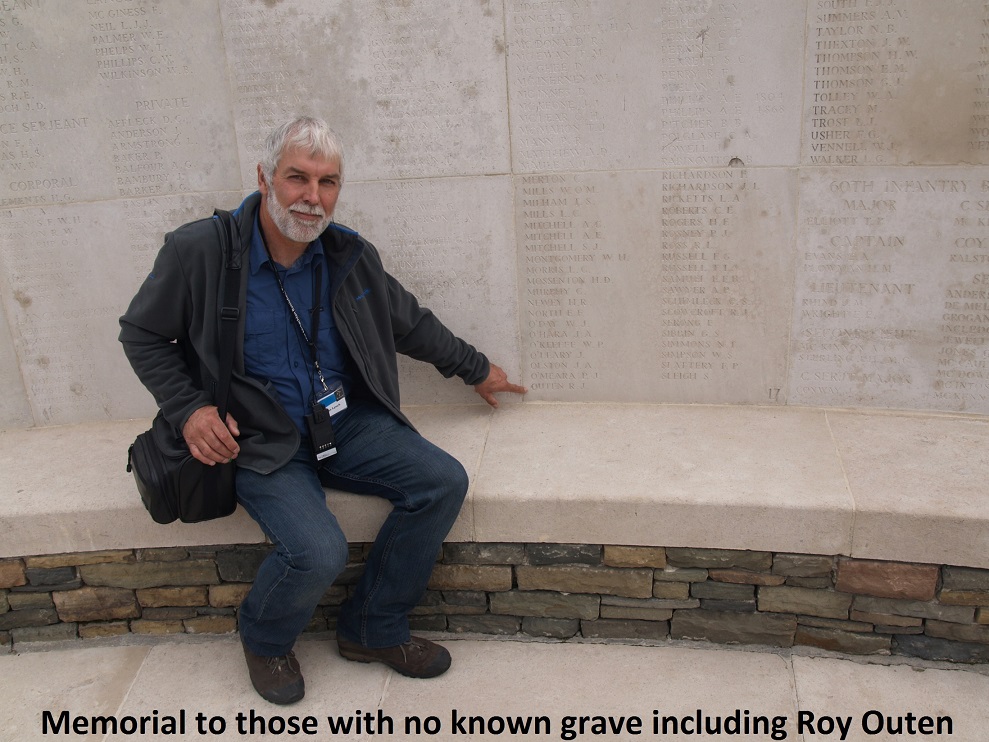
x: 491, y: 685
x: 877, y: 700
x: 210, y: 683
x: 83, y: 680
x: 554, y: 685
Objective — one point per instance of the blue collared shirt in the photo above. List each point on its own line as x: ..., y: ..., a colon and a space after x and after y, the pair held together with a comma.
x: 274, y: 348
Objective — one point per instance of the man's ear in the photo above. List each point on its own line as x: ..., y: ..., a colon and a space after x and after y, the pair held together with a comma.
x: 262, y: 185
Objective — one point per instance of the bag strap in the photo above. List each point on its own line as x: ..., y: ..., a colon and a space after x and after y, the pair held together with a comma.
x: 226, y: 225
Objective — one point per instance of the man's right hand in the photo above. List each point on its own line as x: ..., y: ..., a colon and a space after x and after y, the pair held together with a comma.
x: 209, y: 440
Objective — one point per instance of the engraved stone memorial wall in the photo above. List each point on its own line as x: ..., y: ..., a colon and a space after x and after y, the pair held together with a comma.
x: 664, y: 201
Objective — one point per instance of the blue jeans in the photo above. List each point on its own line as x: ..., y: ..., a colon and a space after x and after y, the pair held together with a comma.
x: 376, y: 455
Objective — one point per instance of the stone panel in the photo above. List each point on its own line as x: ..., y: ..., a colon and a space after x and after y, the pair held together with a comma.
x: 448, y: 242
x: 611, y: 628
x: 109, y: 102
x: 719, y: 558
x: 802, y: 565
x: 12, y: 573
x: 956, y: 632
x: 413, y: 89
x: 159, y: 597
x: 211, y: 625
x: 876, y: 72
x: 802, y: 600
x: 66, y: 275
x: 633, y: 583
x: 19, y: 601
x: 635, y: 556
x: 96, y: 603
x: 546, y: 554
x: 483, y: 553
x: 659, y: 152
x: 469, y: 577
x: 938, y: 650
x: 671, y: 590
x: 963, y: 597
x: 914, y: 608
x: 842, y: 641
x: 643, y: 84
x: 55, y: 561
x: 734, y: 628
x: 886, y: 619
x: 741, y: 576
x: 545, y: 604
x: 150, y: 574
x: 652, y: 286
x: 228, y: 596
x: 887, y: 579
x: 891, y: 298
x: 965, y: 579
x: 552, y: 628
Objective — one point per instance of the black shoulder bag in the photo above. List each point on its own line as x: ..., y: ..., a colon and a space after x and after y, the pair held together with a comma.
x: 173, y: 484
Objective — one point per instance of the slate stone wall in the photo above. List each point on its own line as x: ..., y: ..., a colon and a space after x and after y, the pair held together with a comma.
x: 556, y: 591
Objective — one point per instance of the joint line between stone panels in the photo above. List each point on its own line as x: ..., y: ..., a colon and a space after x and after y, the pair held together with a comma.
x: 118, y: 712
x: 508, y: 96
x: 795, y: 246
x: 805, y: 30
x: 796, y: 215
x: 514, y: 231
x: 796, y: 688
x: 848, y: 486
x: 14, y: 334
x: 238, y: 192
x: 230, y: 87
x: 803, y: 82
x: 384, y: 693
x: 479, y: 462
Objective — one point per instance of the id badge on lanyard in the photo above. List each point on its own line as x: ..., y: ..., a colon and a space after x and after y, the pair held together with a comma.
x: 318, y: 420
x: 321, y: 436
x: 334, y: 401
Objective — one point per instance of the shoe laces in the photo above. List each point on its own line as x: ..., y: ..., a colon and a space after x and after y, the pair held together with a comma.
x: 282, y: 664
x: 412, y: 645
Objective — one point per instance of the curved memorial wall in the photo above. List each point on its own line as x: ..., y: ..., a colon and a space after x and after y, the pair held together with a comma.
x: 668, y: 201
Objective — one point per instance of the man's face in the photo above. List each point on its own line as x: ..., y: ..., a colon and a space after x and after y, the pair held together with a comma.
x: 302, y: 194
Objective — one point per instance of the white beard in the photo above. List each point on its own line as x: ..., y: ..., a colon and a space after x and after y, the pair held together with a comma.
x: 294, y: 229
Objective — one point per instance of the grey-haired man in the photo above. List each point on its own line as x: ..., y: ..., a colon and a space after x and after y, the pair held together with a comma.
x: 321, y: 324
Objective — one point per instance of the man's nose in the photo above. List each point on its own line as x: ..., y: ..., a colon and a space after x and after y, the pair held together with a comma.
x: 311, y: 192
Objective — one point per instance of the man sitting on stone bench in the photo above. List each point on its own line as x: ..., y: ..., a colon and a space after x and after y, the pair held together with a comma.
x: 321, y: 330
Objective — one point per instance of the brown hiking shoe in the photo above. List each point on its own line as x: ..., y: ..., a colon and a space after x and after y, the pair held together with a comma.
x: 417, y: 658
x: 276, y: 679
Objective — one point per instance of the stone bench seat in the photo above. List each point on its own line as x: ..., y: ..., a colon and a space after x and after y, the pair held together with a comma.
x: 872, y: 485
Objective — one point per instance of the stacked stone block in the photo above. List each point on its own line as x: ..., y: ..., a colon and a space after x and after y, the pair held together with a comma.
x: 554, y: 591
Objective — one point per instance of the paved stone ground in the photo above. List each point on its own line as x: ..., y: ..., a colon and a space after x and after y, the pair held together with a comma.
x: 622, y: 690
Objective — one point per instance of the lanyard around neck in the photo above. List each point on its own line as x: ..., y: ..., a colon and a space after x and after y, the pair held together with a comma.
x: 310, y: 340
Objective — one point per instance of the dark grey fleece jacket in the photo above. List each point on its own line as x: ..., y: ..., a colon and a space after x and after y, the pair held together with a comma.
x: 170, y: 333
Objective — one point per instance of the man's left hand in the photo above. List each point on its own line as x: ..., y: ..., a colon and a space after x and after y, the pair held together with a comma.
x: 496, y: 382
